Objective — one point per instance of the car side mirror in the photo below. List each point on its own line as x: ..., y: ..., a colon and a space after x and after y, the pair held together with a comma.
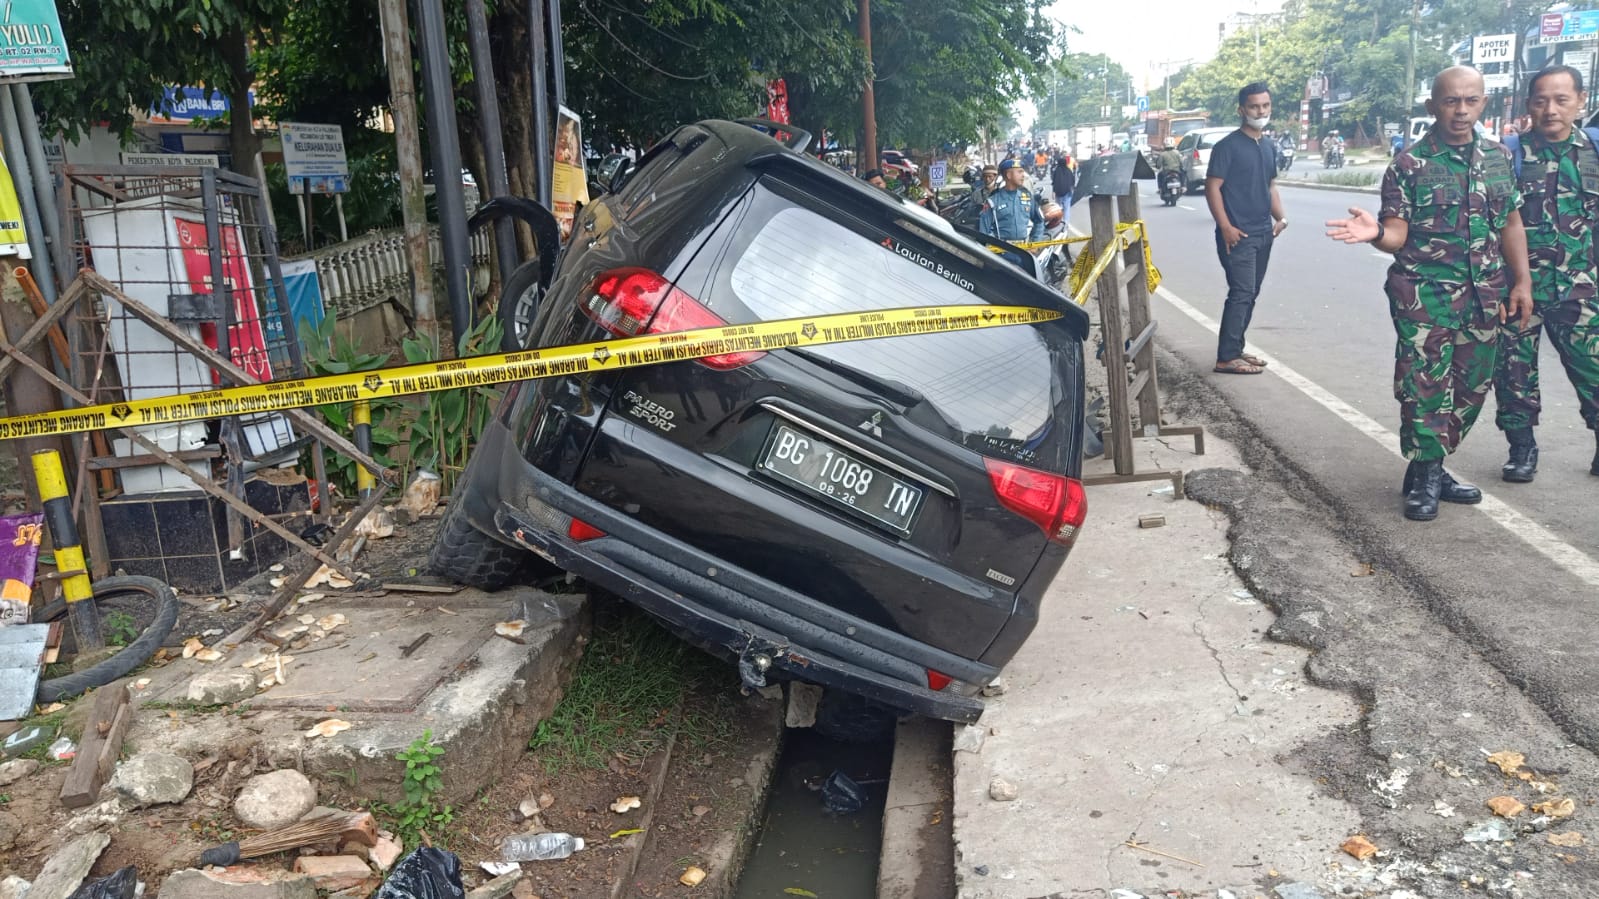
x: 624, y: 170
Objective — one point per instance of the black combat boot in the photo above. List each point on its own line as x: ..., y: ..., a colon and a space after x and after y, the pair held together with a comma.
x: 1454, y: 491
x: 1594, y: 468
x: 1523, y: 463
x: 1426, y: 489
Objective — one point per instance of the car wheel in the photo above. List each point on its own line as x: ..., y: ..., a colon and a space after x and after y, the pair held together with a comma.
x: 468, y: 556
x: 849, y: 718
x: 519, y: 303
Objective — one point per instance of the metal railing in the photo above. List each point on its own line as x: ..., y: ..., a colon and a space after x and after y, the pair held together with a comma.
x: 364, y: 271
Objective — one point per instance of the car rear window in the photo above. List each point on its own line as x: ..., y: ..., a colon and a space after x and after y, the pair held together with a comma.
x: 1210, y: 140
x: 997, y: 387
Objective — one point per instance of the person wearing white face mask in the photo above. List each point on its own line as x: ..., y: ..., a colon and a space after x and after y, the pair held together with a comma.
x: 1241, y: 190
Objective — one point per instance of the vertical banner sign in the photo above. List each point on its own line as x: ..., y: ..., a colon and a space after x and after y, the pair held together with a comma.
x: 246, y: 342
x: 777, y: 101
x: 32, y: 47
x: 13, y: 239
x: 314, y: 158
x: 570, y: 183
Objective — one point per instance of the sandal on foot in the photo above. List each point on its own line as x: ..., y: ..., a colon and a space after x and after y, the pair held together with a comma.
x: 1239, y: 366
x: 1254, y: 360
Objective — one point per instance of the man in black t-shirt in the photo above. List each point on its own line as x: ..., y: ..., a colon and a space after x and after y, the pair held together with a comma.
x: 1241, y: 190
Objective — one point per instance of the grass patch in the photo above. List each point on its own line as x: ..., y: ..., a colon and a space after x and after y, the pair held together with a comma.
x: 1349, y: 179
x: 635, y: 687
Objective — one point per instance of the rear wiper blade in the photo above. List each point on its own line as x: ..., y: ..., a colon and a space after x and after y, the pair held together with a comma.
x: 896, y: 391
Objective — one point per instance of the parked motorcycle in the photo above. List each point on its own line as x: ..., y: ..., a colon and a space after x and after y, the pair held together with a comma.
x: 1171, y: 187
x: 1285, y: 157
x: 1334, y: 157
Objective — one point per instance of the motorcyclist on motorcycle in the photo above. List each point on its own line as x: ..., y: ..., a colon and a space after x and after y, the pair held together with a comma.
x: 1169, y: 159
x: 1333, y: 139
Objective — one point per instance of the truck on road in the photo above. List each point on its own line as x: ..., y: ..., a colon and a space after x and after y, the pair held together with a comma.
x: 1171, y: 124
x: 1088, y: 138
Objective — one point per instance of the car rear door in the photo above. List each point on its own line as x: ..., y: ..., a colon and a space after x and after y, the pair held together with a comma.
x: 892, y: 479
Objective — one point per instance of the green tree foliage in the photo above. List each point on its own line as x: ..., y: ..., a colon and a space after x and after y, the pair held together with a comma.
x: 125, y: 51
x: 1362, y: 46
x: 1077, y: 88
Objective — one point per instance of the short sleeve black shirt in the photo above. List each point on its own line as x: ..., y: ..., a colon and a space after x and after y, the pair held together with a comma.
x: 1246, y: 168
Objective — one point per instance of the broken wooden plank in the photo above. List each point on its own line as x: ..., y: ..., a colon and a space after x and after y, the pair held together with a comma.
x: 108, y: 724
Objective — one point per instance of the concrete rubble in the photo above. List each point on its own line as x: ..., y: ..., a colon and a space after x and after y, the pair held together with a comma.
x: 238, y: 882
x: 66, y: 870
x: 275, y: 799
x: 153, y: 778
x: 223, y: 686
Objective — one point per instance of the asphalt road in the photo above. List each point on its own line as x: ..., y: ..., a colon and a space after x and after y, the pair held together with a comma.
x: 1516, y: 576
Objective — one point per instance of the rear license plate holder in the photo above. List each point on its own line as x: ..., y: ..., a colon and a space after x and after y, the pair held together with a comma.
x: 841, y: 479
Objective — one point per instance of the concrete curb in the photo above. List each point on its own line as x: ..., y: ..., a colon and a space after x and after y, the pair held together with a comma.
x: 918, y: 854
x: 1317, y: 185
x: 637, y: 843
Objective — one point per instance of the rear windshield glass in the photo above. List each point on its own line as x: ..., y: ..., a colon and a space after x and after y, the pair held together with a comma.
x: 997, y: 387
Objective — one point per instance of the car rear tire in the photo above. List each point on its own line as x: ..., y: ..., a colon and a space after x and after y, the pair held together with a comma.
x: 468, y: 556
x: 519, y: 303
x: 848, y: 718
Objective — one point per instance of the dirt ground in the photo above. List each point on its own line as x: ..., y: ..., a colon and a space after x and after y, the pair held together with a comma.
x: 705, y: 796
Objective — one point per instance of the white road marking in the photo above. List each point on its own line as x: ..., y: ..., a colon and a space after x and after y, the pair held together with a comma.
x: 1383, y: 256
x: 1545, y: 542
x: 1185, y: 206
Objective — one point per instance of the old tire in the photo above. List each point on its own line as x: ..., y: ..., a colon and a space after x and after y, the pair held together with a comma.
x: 849, y: 718
x: 468, y: 556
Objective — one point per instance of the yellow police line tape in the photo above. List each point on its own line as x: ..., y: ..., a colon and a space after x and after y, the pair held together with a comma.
x: 604, y: 355
x: 1086, y: 270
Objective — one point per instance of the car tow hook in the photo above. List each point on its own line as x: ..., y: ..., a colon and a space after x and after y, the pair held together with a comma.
x: 752, y: 668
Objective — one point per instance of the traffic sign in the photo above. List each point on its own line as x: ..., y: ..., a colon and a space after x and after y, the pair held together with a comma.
x: 1566, y: 25
x: 1143, y: 103
x: 938, y: 174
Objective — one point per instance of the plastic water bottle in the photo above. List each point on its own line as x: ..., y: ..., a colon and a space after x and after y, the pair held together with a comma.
x: 537, y: 847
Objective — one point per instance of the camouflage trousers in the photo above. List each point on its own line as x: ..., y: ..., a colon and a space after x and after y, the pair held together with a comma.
x: 1441, y: 379
x: 1573, y: 328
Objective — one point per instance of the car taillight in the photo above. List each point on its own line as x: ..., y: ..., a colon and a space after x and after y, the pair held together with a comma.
x: 1054, y: 502
x: 628, y: 302
x: 1196, y: 154
x: 581, y: 530
x: 937, y: 681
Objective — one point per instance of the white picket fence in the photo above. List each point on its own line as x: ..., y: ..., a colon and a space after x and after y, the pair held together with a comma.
x: 364, y: 271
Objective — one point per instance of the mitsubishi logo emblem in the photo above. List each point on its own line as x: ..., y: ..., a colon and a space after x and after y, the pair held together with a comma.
x: 872, y: 425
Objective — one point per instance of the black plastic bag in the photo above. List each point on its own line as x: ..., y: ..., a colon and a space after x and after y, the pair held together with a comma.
x: 842, y: 795
x: 120, y: 884
x: 426, y: 873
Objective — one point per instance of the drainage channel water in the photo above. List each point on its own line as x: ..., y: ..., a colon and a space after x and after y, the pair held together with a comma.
x: 804, y: 849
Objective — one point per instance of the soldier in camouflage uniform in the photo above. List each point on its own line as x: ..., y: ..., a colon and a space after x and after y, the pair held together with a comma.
x: 1460, y: 257
x: 1559, y: 185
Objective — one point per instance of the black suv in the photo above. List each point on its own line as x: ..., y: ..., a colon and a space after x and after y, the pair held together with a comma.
x: 880, y: 518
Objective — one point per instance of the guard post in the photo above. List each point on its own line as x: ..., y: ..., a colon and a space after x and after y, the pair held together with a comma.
x: 74, y: 574
x: 1122, y: 292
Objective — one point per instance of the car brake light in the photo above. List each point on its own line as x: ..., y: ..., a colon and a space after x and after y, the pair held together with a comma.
x: 1196, y: 154
x: 628, y: 302
x: 937, y: 681
x: 582, y: 530
x: 1054, y: 502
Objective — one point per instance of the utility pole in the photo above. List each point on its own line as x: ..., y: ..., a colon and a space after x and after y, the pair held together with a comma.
x: 488, y: 103
x: 446, y: 163
x: 1410, y: 74
x: 868, y: 99
x: 408, y: 151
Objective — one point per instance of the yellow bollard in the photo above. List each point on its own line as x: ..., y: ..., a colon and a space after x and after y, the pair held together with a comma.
x: 75, y: 587
x: 365, y: 481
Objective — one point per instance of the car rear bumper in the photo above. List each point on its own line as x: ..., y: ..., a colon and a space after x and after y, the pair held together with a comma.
x: 771, y: 631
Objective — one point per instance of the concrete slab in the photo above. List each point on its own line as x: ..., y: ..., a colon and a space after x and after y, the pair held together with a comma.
x: 1148, y: 707
x: 917, y: 859
x: 477, y: 694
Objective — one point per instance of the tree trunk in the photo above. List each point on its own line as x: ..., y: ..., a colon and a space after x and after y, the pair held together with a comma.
x: 243, y: 142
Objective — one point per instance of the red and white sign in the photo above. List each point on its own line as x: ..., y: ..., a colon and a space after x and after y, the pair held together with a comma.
x: 777, y: 101
x: 246, y: 340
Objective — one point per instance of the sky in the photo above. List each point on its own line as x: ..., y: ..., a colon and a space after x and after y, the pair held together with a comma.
x: 1148, y: 36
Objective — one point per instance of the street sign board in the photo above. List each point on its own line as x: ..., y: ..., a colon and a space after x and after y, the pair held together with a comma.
x: 32, y: 47
x: 1581, y: 60
x: 1498, y: 81
x: 938, y: 174
x: 1143, y: 103
x: 1493, y: 48
x: 1567, y: 25
x: 197, y: 160
x: 314, y: 158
